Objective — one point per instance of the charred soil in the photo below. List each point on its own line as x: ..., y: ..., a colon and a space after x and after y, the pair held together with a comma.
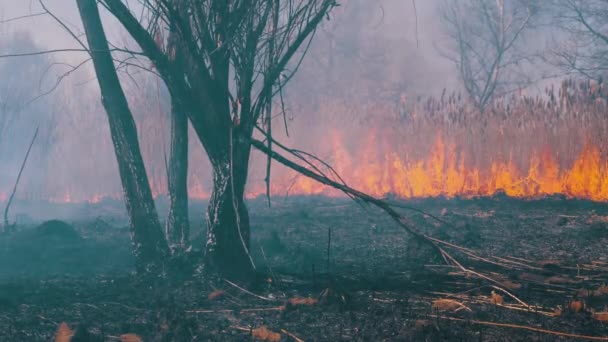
x: 330, y: 270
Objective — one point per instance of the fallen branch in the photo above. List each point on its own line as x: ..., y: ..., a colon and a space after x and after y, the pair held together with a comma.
x: 383, y: 205
x: 295, y: 338
x: 248, y: 292
x: 524, y: 327
x: 272, y: 308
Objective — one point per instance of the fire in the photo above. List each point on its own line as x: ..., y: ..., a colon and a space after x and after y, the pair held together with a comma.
x: 378, y: 167
x: 444, y: 172
x: 524, y: 147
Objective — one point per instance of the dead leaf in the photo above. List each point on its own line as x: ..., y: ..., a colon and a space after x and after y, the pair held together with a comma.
x: 294, y: 303
x: 302, y: 301
x: 576, y: 305
x: 601, y: 316
x: 262, y: 333
x: 130, y: 338
x: 600, y: 291
x: 495, y: 298
x: 216, y: 294
x: 64, y: 333
x: 448, y: 305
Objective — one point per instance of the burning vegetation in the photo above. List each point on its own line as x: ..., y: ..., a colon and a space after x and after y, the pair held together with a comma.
x: 399, y: 215
x: 526, y: 147
x: 523, y: 146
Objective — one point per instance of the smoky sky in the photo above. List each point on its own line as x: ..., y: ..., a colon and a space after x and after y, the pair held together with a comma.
x: 368, y: 53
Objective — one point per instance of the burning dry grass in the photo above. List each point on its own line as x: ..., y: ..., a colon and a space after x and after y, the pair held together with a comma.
x: 523, y: 146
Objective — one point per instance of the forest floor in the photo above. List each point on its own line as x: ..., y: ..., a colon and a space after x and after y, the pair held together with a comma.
x: 373, y: 282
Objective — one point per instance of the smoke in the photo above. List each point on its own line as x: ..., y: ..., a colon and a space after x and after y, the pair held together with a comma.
x: 368, y: 67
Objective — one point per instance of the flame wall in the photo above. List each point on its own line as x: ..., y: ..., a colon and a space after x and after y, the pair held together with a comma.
x: 523, y: 146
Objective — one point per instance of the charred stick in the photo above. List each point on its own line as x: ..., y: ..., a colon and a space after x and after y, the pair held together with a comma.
x: 10, y: 199
x: 328, y: 248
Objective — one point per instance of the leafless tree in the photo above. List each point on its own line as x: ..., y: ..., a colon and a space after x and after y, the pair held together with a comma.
x: 485, y: 42
x: 229, y: 61
x: 149, y: 245
x: 584, y: 23
x: 177, y: 228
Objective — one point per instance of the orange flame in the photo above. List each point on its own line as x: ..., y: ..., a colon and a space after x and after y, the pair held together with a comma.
x: 380, y: 168
x: 444, y: 172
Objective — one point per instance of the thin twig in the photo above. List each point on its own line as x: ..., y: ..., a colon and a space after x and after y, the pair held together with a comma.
x: 272, y: 308
x: 248, y: 292
x: 524, y: 327
x: 296, y: 338
x: 22, y: 17
x: 10, y: 200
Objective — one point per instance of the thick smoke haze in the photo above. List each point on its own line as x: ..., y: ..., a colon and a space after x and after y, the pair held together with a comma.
x: 76, y: 162
x: 369, y: 67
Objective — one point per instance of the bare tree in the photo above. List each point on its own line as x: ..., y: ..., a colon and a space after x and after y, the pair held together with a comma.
x: 149, y: 246
x: 484, y: 42
x: 585, y: 25
x: 177, y: 229
x: 236, y: 55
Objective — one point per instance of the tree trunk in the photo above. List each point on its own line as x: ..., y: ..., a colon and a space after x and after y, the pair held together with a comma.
x: 149, y: 245
x: 227, y: 249
x: 178, y: 227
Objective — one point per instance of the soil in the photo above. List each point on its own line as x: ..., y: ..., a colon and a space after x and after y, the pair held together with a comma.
x: 364, y: 278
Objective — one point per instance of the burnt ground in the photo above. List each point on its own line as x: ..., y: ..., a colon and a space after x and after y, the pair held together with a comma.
x: 376, y: 282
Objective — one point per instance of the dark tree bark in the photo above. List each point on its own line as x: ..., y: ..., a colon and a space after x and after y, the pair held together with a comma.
x: 228, y: 229
x: 149, y: 245
x: 178, y: 226
x: 177, y: 229
x: 223, y: 85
